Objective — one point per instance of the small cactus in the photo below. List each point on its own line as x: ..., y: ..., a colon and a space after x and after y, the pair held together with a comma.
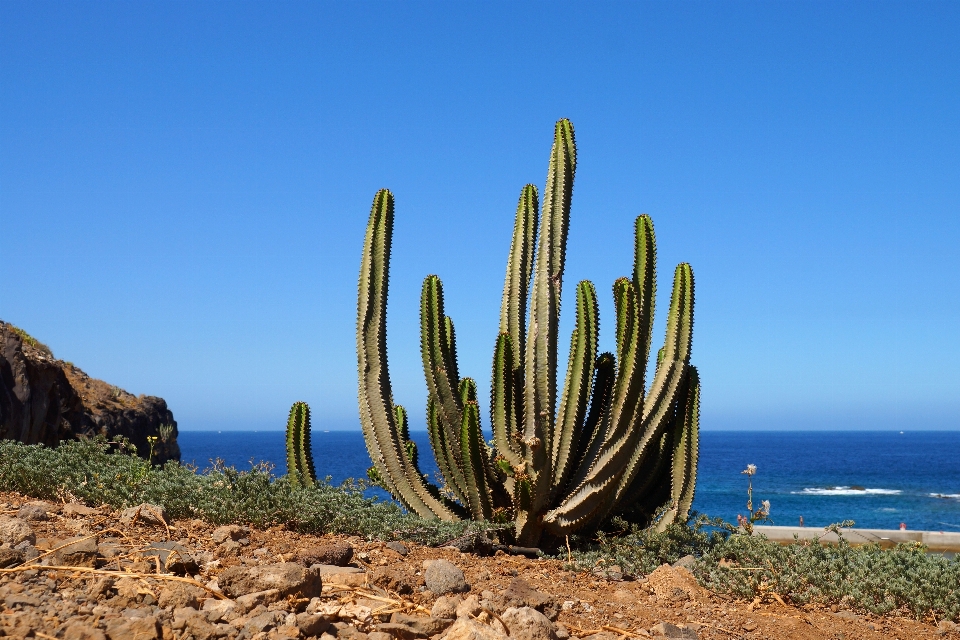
x: 300, y: 467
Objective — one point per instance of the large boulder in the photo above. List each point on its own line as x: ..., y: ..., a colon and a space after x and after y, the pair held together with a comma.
x: 44, y: 400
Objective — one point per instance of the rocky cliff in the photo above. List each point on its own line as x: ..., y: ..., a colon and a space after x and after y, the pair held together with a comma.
x: 45, y: 400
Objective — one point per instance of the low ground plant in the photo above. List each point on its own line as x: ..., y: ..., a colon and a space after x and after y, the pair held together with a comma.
x: 100, y: 473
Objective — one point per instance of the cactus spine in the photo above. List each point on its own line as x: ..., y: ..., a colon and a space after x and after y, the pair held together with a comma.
x: 299, y: 455
x: 611, y: 445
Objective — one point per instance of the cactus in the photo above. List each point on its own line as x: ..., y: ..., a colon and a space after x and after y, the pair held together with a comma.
x: 299, y: 455
x: 612, y: 445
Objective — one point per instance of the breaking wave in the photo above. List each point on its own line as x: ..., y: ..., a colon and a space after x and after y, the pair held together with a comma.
x: 847, y: 491
x: 953, y: 496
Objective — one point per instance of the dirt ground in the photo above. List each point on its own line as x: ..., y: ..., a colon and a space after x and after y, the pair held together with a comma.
x: 66, y: 603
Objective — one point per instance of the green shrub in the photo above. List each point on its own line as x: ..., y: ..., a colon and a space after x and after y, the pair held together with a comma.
x: 98, y: 473
x: 904, y: 578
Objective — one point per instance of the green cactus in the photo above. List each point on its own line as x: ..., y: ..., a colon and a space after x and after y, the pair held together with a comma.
x: 299, y: 455
x: 612, y: 445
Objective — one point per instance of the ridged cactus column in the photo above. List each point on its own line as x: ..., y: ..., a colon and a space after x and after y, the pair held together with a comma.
x: 299, y: 455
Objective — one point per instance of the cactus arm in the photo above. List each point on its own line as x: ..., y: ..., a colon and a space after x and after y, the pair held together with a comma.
x: 293, y: 443
x: 374, y: 393
x: 645, y: 283
x: 597, y: 420
x: 576, y: 390
x: 475, y: 462
x: 504, y: 401
x: 439, y: 367
x: 513, y: 307
x: 540, y: 384
x: 685, y: 461
x: 308, y: 475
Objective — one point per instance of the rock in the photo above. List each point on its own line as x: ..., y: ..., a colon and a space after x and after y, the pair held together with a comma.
x: 217, y: 610
x: 174, y: 557
x: 77, y: 509
x: 289, y: 578
x: 398, y: 579
x: 251, y: 601
x: 373, y: 635
x: 561, y: 632
x: 469, y: 607
x: 177, y: 595
x: 13, y: 531
x: 527, y: 623
x: 333, y: 553
x: 101, y: 587
x: 520, y: 594
x: 228, y: 532
x: 348, y: 632
x: 77, y: 552
x: 79, y: 630
x: 312, y: 624
x: 228, y: 549
x: 195, y: 624
x: 144, y: 514
x: 45, y: 401
x: 603, y: 635
x: 400, y: 631
x: 668, y: 630
x: 446, y: 606
x: 399, y: 547
x: 946, y: 626
x: 263, y: 622
x: 675, y: 584
x: 347, y: 576
x: 32, y: 512
x: 467, y: 629
x: 10, y: 557
x: 444, y: 577
x: 147, y: 628
x: 687, y: 562
x: 424, y: 626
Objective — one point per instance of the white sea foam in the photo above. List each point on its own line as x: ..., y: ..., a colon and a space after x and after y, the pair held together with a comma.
x: 954, y: 496
x: 847, y: 491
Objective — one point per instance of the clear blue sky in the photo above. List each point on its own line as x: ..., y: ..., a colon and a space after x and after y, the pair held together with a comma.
x: 184, y: 188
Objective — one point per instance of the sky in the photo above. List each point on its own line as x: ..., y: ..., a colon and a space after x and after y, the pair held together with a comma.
x: 184, y: 188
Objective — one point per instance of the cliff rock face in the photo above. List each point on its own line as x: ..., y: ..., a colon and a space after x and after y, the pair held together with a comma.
x: 45, y: 400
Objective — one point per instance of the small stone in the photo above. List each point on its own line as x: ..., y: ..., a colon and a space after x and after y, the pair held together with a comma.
x: 312, y: 624
x: 399, y: 547
x: 78, y: 509
x: 179, y: 595
x: 78, y: 630
x: 144, y: 514
x: 217, y: 609
x: 397, y: 579
x: 519, y: 594
x: 334, y: 553
x: 561, y: 632
x: 946, y: 626
x: 669, y: 630
x: 373, y: 635
x: 687, y: 562
x: 228, y: 532
x: 77, y: 552
x: 401, y: 631
x: 425, y: 626
x: 289, y: 578
x: 10, y: 557
x: 263, y: 622
x: 147, y: 628
x: 174, y: 557
x: 228, y: 549
x: 251, y: 601
x: 467, y: 629
x: 526, y: 623
x: 13, y: 531
x: 469, y: 607
x: 444, y: 577
x: 446, y: 606
x: 749, y: 625
x: 32, y: 512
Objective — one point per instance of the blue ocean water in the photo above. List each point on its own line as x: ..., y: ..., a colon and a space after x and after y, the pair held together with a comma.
x: 877, y: 479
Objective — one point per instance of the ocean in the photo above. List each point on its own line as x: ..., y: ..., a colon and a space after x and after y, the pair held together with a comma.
x: 878, y: 479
